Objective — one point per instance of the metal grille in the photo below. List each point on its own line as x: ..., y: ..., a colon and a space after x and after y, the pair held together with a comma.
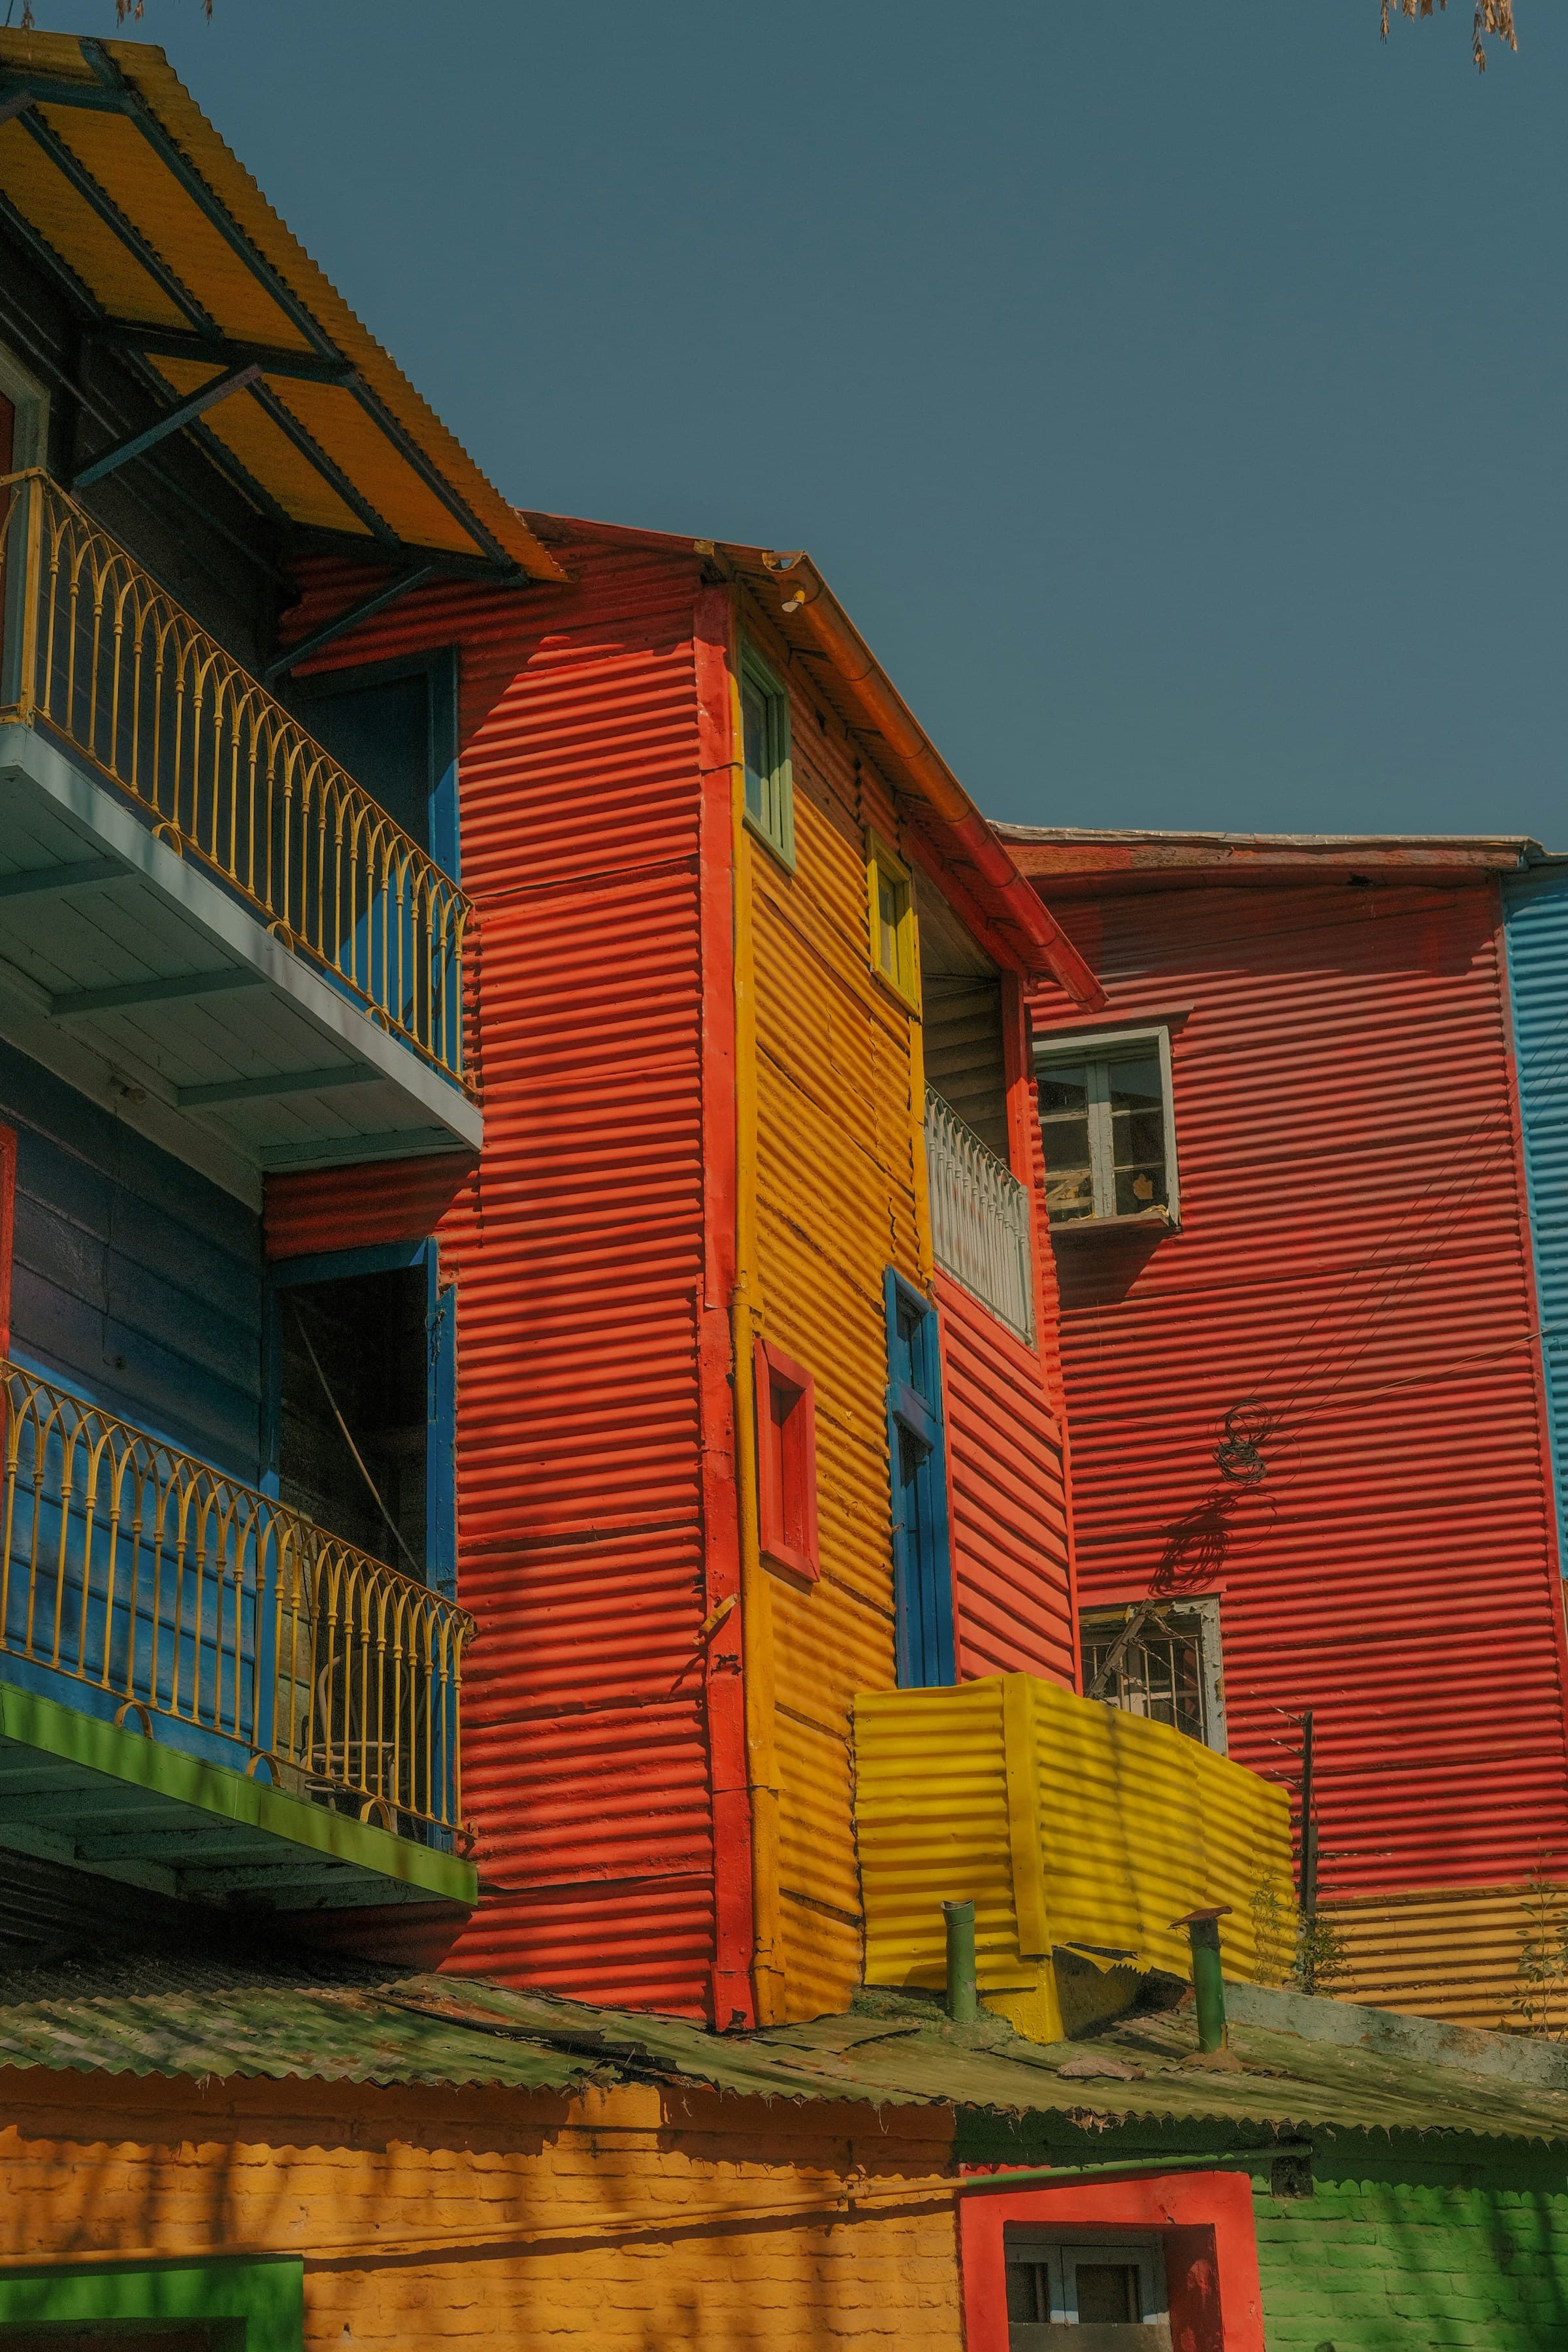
x: 979, y: 1218
x: 106, y: 659
x: 180, y: 1592
x: 1159, y: 1673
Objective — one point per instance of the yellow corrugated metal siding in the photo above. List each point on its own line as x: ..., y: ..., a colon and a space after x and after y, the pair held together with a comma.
x: 1453, y: 1955
x: 1068, y: 1821
x: 67, y: 222
x: 836, y: 1130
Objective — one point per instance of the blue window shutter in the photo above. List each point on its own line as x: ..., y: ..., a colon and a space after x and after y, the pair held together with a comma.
x: 917, y: 1465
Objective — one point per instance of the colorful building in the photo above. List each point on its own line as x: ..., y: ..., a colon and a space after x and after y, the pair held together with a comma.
x: 527, y: 1299
x: 202, y: 2147
x: 1300, y: 1324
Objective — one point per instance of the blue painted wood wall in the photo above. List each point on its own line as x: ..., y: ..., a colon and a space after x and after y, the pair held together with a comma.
x: 135, y: 1281
x: 1535, y: 904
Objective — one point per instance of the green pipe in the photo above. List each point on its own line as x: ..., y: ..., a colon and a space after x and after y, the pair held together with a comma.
x: 1208, y: 1982
x: 1043, y: 2175
x: 963, y: 1995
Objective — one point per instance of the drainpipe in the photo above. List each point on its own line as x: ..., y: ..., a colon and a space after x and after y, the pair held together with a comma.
x: 1208, y: 1980
x: 963, y: 1994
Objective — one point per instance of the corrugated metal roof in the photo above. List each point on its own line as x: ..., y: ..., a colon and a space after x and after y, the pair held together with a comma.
x: 168, y: 247
x: 197, y: 2016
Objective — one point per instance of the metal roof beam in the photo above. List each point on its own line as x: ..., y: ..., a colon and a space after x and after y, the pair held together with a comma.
x: 353, y: 497
x: 151, y: 434
x: 126, y: 101
x: 376, y: 602
x: 109, y: 212
x: 162, y: 343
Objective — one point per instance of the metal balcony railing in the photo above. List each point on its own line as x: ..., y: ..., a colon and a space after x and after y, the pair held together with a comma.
x: 979, y: 1218
x: 99, y: 653
x: 181, y: 1593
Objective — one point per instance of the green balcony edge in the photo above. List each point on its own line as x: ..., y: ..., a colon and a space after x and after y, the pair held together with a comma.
x: 29, y: 1721
x: 247, y: 2302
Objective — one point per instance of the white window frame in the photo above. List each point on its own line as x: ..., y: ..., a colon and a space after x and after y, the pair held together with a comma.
x: 1102, y: 1047
x: 773, y: 823
x: 1059, y: 2254
x: 1205, y: 1608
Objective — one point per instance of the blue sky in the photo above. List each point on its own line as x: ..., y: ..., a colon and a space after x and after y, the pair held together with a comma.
x: 1175, y: 394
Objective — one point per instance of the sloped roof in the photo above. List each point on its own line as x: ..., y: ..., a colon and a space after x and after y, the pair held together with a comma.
x: 115, y: 180
x: 174, y: 2015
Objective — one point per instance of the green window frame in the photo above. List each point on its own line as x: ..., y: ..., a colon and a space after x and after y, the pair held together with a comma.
x: 246, y: 2304
x: 764, y: 746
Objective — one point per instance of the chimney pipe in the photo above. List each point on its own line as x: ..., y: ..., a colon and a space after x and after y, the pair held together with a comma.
x: 1208, y: 1979
x: 963, y: 1996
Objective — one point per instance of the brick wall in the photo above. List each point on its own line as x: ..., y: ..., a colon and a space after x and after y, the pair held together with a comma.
x: 1400, y: 2250
x: 547, y: 2192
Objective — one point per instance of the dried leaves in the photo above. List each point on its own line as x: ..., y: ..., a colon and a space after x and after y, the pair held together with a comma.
x: 1491, y: 16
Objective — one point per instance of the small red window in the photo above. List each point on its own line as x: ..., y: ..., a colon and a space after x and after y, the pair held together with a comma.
x: 787, y: 1461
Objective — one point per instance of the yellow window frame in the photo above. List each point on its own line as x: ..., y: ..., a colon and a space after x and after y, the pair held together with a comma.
x: 892, y: 931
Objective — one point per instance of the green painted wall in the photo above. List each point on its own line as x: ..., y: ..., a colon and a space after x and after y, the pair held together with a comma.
x: 1447, y: 2244
x: 1399, y: 2248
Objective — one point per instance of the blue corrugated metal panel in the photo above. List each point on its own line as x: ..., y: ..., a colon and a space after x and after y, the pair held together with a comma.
x: 1536, y: 909
x: 136, y: 1282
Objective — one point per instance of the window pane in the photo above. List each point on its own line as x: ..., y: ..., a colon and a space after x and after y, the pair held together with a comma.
x: 890, y: 909
x: 1023, y: 2299
x: 759, y: 765
x: 1107, y: 2291
x: 1063, y: 1088
x: 1138, y: 1135
x: 1135, y: 1084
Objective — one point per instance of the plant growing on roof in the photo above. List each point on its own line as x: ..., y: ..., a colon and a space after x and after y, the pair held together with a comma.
x: 1540, y: 2005
x: 1273, y: 1932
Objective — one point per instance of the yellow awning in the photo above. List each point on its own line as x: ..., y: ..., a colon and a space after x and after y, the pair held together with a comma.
x: 174, y: 252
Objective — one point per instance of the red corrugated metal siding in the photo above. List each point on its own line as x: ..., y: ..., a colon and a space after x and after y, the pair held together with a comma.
x: 1351, y: 1221
x: 1007, y: 1508
x: 578, y: 1254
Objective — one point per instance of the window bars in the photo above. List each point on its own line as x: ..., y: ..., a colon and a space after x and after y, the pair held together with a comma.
x: 979, y: 1218
x: 174, y: 1589
x: 103, y: 657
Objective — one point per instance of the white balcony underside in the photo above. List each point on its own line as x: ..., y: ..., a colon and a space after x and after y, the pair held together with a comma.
x: 144, y: 984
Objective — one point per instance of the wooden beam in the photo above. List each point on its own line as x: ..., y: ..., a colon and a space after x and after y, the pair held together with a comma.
x: 38, y: 881
x: 282, y: 1082
x: 133, y: 993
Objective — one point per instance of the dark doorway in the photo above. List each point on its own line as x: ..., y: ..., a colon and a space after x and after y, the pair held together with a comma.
x: 367, y: 1334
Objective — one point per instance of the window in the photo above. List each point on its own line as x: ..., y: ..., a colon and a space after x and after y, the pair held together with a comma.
x: 895, y: 954
x: 1159, y: 1659
x: 393, y: 725
x: 764, y: 733
x: 922, y: 1578
x: 1107, y: 1129
x: 1114, y: 2286
x: 362, y: 1402
x: 787, y: 1461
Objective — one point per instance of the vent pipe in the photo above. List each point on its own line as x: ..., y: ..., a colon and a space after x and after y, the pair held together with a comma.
x: 963, y: 1995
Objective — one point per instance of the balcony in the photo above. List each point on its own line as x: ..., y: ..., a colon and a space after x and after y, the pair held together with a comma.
x: 201, y: 915
x: 978, y: 1219
x: 204, y: 1694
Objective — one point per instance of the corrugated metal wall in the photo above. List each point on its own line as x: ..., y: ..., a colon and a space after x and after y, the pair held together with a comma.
x: 837, y: 1110
x: 577, y: 1252
x: 1007, y: 1496
x: 1535, y: 908
x: 1068, y: 1822
x: 1352, y: 1236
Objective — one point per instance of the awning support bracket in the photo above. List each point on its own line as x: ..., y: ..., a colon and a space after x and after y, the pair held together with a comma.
x: 238, y: 380
x: 330, y: 631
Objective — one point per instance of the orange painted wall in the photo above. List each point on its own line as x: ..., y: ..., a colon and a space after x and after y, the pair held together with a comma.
x: 137, y: 2164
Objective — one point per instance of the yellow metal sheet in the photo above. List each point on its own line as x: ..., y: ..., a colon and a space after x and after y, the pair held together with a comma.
x: 132, y: 171
x: 127, y: 169
x: 266, y: 452
x: 1451, y: 1953
x: 1134, y: 1824
x: 66, y: 222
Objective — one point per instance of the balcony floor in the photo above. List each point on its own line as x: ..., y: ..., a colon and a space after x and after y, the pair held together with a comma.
x: 134, y: 974
x: 113, y: 1802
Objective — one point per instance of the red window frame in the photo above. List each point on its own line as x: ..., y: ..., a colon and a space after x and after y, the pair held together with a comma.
x: 1203, y: 2221
x: 787, y: 1461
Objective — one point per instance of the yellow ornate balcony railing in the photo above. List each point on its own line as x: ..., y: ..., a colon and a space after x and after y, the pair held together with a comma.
x: 179, y: 1593
x: 108, y: 660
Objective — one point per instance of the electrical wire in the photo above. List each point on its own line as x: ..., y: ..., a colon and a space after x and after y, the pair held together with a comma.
x: 348, y: 1441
